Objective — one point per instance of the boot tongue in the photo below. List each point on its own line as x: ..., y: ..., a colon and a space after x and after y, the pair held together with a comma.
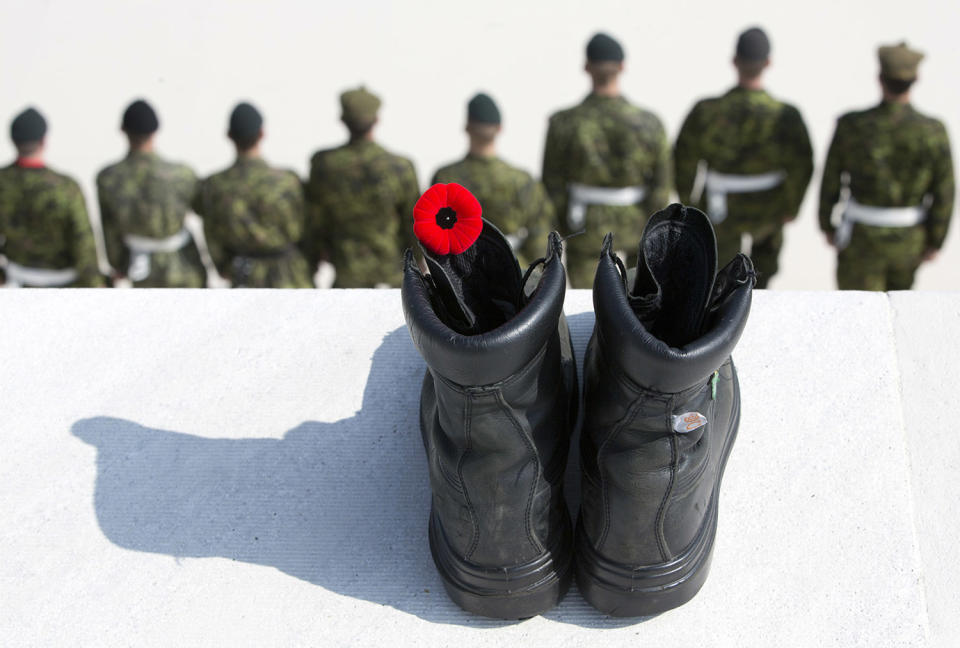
x: 676, y: 269
x: 478, y: 290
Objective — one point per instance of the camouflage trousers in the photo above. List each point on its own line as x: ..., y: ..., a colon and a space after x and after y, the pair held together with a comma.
x: 764, y: 250
x: 583, y: 250
x: 881, y: 258
x: 181, y: 269
x: 284, y: 270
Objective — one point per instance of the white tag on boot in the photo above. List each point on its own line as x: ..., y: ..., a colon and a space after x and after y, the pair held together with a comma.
x: 688, y: 422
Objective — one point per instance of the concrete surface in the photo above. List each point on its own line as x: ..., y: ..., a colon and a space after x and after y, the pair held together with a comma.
x: 243, y: 468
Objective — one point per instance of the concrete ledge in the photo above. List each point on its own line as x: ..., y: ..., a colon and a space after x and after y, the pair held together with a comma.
x: 244, y: 468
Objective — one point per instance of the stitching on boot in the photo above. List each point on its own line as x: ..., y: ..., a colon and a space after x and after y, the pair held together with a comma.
x: 625, y: 422
x: 661, y: 511
x: 473, y: 515
x: 533, y: 460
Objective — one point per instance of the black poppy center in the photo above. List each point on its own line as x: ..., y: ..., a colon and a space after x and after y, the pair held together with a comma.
x: 446, y: 218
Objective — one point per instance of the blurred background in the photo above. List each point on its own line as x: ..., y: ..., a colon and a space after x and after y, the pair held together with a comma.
x: 81, y: 63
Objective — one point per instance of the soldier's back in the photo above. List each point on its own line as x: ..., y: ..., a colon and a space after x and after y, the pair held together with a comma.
x: 608, y: 141
x: 44, y: 224
x: 892, y: 153
x: 253, y: 219
x: 144, y: 199
x: 361, y: 198
x: 511, y: 198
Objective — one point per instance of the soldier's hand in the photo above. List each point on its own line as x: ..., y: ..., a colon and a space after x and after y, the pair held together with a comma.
x: 829, y: 237
x: 789, y: 219
x: 930, y: 254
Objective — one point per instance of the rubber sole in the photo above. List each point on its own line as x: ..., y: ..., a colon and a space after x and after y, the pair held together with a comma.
x: 515, y: 592
x: 624, y: 590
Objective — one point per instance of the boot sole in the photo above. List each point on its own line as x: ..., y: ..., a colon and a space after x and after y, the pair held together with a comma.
x: 516, y: 592
x: 624, y: 590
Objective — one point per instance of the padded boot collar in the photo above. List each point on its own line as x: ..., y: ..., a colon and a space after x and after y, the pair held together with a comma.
x: 497, y: 354
x: 651, y: 362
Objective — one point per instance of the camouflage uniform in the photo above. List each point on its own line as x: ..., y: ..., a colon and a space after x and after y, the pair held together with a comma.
x: 44, y: 223
x: 747, y: 133
x: 511, y: 199
x: 148, y: 197
x: 604, y: 142
x: 361, y: 201
x: 894, y: 157
x: 253, y: 219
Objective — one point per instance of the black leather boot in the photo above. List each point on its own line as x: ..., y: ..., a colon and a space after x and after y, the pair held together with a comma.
x: 497, y: 404
x: 662, y: 405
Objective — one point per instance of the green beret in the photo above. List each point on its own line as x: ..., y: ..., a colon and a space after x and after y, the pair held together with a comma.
x: 483, y: 110
x: 139, y: 119
x: 753, y: 45
x: 245, y: 122
x: 359, y: 106
x: 28, y: 126
x: 899, y: 62
x: 604, y: 48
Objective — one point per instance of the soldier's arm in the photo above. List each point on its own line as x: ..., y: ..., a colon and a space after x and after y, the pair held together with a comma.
x: 117, y: 253
x: 554, y: 173
x: 211, y: 231
x: 830, y: 185
x: 942, y: 194
x: 686, y: 156
x: 291, y: 209
x: 539, y: 218
x: 409, y: 196
x: 84, y: 252
x: 661, y: 180
x: 315, y: 225
x: 798, y: 160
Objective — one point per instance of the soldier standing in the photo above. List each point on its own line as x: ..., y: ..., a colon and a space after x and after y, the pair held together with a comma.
x: 892, y: 165
x: 253, y: 214
x: 745, y: 159
x: 45, y: 233
x: 361, y: 201
x: 143, y: 202
x: 606, y: 164
x: 512, y: 200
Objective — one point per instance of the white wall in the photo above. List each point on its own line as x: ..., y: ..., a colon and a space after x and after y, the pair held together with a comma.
x: 82, y: 62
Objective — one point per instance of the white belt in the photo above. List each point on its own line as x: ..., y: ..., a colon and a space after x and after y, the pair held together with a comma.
x: 583, y: 195
x: 19, y: 276
x: 141, y: 247
x: 854, y: 212
x: 718, y: 185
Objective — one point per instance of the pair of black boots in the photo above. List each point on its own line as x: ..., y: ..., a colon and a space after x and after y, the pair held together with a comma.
x: 500, y: 400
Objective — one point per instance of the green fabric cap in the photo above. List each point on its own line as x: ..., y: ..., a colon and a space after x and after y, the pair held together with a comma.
x: 245, y: 121
x: 604, y: 48
x: 483, y: 110
x: 28, y: 126
x: 359, y: 106
x: 899, y: 62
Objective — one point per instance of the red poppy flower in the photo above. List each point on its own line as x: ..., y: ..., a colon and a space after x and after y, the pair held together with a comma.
x: 446, y: 219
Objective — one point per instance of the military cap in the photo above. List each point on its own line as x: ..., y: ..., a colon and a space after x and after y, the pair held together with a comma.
x: 139, y: 119
x: 245, y: 121
x: 483, y: 110
x: 28, y: 126
x: 753, y: 45
x: 899, y: 62
x: 604, y: 48
x: 359, y: 106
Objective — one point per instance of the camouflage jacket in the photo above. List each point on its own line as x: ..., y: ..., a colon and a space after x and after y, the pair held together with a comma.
x: 894, y: 157
x: 746, y: 132
x: 606, y: 142
x: 511, y: 199
x: 360, y: 219
x: 44, y: 223
x: 146, y: 196
x: 252, y: 220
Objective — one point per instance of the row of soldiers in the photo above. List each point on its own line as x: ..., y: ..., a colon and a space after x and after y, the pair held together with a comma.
x: 744, y: 157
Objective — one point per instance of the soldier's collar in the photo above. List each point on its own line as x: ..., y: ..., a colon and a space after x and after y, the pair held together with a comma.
x: 30, y: 163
